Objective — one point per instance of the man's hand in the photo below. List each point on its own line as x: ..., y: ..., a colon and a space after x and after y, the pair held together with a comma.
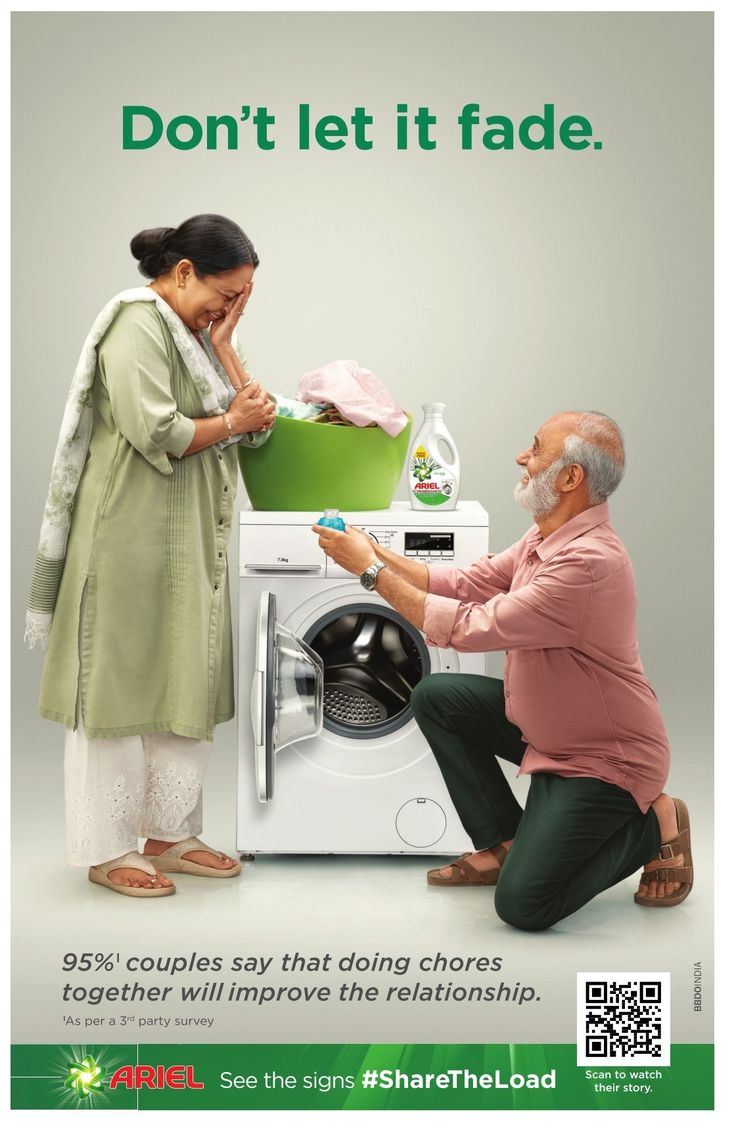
x: 352, y: 550
x: 355, y: 551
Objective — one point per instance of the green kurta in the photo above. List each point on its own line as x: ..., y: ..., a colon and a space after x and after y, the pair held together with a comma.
x: 148, y: 550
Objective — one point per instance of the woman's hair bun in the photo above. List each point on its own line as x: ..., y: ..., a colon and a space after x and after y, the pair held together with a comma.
x: 212, y: 243
x: 149, y: 248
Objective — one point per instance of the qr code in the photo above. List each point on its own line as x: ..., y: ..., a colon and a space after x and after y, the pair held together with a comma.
x: 623, y: 1017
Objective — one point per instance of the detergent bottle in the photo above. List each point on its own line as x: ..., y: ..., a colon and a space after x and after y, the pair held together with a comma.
x: 433, y: 480
x: 332, y: 520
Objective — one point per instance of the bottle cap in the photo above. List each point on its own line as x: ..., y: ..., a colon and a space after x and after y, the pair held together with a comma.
x: 434, y: 408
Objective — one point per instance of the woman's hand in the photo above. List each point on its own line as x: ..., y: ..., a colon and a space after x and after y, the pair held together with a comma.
x: 251, y: 410
x: 353, y: 550
x: 221, y: 331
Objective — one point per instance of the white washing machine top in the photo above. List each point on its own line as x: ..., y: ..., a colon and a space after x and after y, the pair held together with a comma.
x: 283, y: 541
x: 466, y: 513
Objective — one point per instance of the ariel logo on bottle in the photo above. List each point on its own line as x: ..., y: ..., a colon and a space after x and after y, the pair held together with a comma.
x: 433, y: 485
x: 422, y: 465
x: 434, y: 465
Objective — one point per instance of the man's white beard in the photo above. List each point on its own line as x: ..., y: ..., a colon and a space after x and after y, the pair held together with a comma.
x: 540, y: 494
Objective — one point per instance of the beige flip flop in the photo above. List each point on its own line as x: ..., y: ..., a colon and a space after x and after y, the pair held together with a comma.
x: 133, y: 860
x: 171, y: 861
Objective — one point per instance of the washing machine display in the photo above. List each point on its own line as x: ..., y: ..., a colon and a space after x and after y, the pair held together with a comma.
x: 440, y: 545
x: 330, y: 758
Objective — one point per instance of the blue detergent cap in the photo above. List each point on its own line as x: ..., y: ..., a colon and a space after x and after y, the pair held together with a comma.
x: 332, y: 520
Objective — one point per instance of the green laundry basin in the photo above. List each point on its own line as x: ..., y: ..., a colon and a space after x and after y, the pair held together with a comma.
x: 316, y: 466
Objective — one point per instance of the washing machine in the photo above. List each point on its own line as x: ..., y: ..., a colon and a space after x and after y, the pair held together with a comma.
x: 330, y: 758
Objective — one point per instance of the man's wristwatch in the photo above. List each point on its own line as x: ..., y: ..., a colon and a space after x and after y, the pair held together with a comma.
x: 369, y: 577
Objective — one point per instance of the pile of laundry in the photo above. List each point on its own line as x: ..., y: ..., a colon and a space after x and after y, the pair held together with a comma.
x: 344, y: 394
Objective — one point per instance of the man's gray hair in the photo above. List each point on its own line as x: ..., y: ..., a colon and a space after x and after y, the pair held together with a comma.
x: 598, y: 446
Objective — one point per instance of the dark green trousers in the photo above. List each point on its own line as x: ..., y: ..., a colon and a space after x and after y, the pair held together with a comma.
x: 575, y: 837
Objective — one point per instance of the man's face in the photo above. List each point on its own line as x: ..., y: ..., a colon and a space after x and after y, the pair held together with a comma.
x: 537, y: 491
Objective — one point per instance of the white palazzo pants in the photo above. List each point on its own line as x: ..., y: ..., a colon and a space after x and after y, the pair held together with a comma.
x: 124, y: 788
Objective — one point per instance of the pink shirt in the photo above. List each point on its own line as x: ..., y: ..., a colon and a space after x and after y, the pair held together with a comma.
x: 564, y: 610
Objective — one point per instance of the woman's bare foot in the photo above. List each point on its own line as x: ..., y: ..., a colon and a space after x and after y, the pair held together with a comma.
x: 138, y: 878
x: 155, y: 846
x: 664, y: 809
x: 484, y: 861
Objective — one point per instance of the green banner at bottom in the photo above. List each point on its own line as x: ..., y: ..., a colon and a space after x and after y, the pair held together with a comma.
x: 304, y: 1077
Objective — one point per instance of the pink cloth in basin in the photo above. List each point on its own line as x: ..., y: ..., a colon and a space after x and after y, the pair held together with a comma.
x: 356, y: 392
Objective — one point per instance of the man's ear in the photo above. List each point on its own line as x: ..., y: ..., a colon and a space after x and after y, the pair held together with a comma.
x: 574, y: 476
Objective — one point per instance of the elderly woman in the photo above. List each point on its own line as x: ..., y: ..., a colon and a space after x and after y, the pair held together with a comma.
x: 130, y: 584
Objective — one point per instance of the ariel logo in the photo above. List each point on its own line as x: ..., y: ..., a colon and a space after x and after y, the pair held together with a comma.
x: 422, y: 468
x: 85, y: 1077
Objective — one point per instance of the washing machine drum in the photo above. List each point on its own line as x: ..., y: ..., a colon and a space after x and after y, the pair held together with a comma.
x: 372, y: 660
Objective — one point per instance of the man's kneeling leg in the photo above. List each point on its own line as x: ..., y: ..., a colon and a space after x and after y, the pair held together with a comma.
x: 577, y: 837
x: 463, y: 719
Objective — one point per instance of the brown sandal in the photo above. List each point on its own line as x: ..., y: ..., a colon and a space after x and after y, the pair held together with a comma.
x: 465, y: 874
x: 684, y: 873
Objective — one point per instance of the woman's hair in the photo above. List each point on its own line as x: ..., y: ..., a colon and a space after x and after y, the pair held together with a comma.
x: 212, y: 243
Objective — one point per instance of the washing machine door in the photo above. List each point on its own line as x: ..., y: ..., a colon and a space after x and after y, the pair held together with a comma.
x: 286, y: 695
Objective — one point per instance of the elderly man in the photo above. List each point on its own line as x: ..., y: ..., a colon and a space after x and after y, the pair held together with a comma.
x: 574, y: 710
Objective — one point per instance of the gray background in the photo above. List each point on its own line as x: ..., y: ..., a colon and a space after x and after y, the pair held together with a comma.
x: 510, y: 285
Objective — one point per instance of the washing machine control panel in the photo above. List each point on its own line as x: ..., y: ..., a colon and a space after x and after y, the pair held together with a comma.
x: 283, y: 544
x: 416, y: 543
x: 433, y: 545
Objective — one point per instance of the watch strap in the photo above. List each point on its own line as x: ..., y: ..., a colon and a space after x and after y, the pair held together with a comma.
x: 370, y: 576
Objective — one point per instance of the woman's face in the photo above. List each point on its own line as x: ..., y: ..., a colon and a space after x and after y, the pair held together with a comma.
x: 200, y: 301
